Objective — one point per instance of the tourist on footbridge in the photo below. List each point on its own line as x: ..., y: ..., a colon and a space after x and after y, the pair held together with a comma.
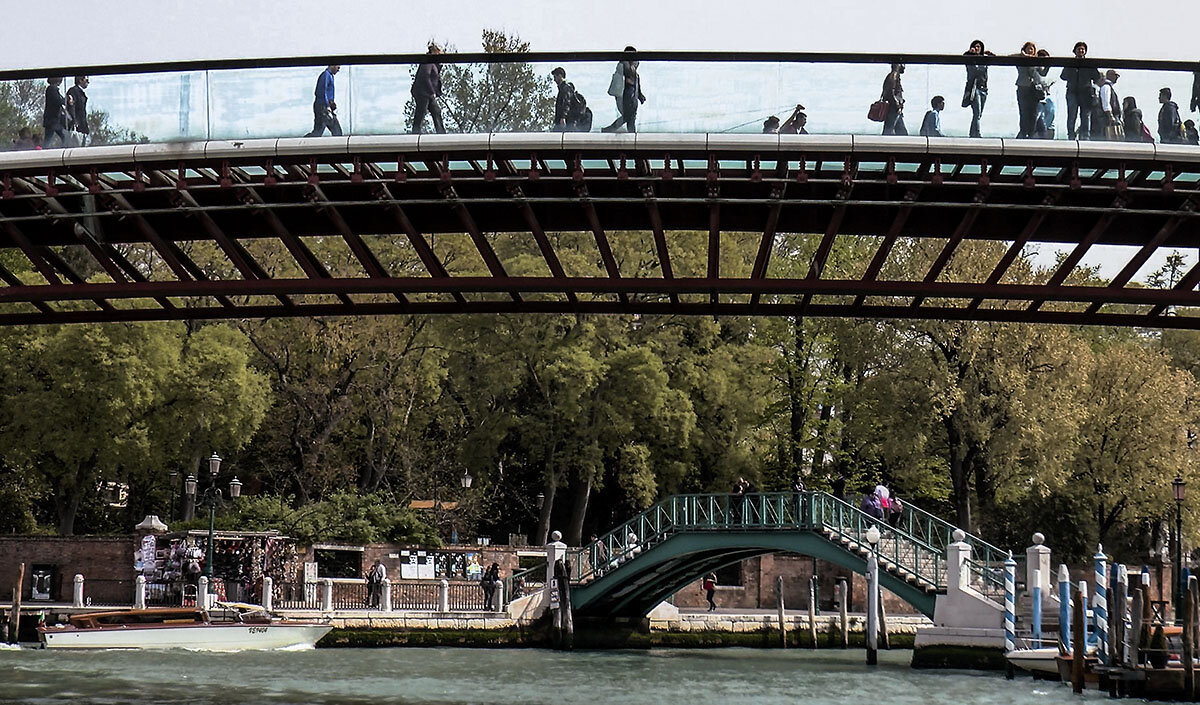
x: 324, y: 105
x: 426, y: 89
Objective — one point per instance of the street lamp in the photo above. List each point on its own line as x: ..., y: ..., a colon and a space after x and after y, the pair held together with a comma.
x: 1179, y: 489
x: 467, y: 479
x: 872, y: 536
x: 211, y: 497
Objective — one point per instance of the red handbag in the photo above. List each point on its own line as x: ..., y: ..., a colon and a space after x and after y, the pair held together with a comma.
x: 878, y: 111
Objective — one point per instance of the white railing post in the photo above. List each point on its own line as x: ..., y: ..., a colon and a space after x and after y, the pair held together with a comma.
x: 268, y: 593
x: 139, y: 592
x: 500, y: 604
x: 1037, y: 558
x: 444, y: 596
x: 202, y: 592
x: 326, y: 595
x: 77, y: 595
x: 958, y: 577
x: 386, y: 602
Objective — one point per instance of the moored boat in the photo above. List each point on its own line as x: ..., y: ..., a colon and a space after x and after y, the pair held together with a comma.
x: 227, y: 627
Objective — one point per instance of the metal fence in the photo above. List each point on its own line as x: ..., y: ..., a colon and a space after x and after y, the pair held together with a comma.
x: 296, y: 596
x: 416, y: 595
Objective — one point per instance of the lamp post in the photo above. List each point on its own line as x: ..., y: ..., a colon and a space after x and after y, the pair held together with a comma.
x: 1179, y: 489
x: 211, y: 497
x: 872, y: 597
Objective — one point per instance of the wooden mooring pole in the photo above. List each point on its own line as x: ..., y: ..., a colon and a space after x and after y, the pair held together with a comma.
x: 843, y: 608
x: 782, y: 613
x: 812, y: 612
x: 14, y: 617
x: 1189, y: 636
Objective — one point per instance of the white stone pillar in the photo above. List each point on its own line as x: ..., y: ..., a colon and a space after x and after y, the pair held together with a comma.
x: 500, y: 604
x: 139, y: 592
x: 326, y: 595
x: 444, y: 596
x: 1037, y: 558
x: 386, y: 603
x: 268, y: 593
x: 957, y: 555
x: 77, y: 595
x: 202, y: 592
x: 555, y: 550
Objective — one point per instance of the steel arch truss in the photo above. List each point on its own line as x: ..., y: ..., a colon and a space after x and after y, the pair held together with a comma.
x: 178, y: 231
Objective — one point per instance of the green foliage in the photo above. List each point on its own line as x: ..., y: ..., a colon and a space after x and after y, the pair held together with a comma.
x: 346, y: 517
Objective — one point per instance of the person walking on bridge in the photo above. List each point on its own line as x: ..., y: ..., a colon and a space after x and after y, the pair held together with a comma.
x: 54, y: 117
x: 324, y: 106
x: 77, y: 116
x: 1169, y: 124
x: 1109, y: 114
x: 893, y: 95
x: 426, y: 89
x: 631, y: 95
x: 1082, y: 82
x: 976, y: 92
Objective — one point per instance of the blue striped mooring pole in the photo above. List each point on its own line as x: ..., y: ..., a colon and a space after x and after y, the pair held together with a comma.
x: 1100, y: 603
x: 1010, y: 599
x: 1064, y: 609
x: 1083, y: 597
x: 1037, y: 608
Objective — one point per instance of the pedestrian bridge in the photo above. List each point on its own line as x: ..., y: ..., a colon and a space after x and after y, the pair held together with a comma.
x: 671, y: 545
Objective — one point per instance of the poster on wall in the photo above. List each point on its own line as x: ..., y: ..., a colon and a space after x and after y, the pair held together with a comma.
x: 474, y: 569
x: 408, y: 565
x: 149, y: 550
x: 424, y: 565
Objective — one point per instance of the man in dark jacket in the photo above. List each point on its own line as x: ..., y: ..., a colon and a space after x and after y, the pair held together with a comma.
x: 893, y: 95
x: 1168, y: 119
x: 54, y: 117
x: 77, y: 117
x: 426, y: 89
x: 564, y: 101
x: 1080, y: 94
x: 324, y: 105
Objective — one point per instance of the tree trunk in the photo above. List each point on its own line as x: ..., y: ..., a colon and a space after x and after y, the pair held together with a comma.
x: 543, y: 527
x: 66, y: 504
x: 583, y: 492
x: 960, y: 491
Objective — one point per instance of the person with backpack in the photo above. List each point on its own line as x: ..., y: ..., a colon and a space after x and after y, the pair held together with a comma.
x: 1081, y: 94
x: 1169, y: 124
x: 324, y: 106
x: 710, y: 589
x: 564, y: 101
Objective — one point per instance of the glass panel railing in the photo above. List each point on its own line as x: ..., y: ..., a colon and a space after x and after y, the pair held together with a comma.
x: 716, y: 96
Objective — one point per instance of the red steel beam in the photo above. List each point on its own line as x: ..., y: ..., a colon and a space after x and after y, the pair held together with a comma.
x: 1135, y: 263
x: 1014, y: 250
x: 1068, y: 265
x: 943, y: 258
x: 885, y: 248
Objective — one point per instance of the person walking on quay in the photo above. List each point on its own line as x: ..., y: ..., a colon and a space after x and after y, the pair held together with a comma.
x: 1031, y: 90
x: 976, y: 92
x: 710, y: 590
x: 1169, y: 124
x: 1131, y: 118
x: 631, y: 96
x: 375, y: 578
x: 324, y: 106
x: 931, y: 126
x: 77, y: 117
x: 491, y: 579
x: 426, y: 89
x: 54, y: 117
x: 1081, y: 94
x: 893, y: 95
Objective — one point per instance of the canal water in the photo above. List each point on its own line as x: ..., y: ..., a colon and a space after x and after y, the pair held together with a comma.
x: 503, y: 676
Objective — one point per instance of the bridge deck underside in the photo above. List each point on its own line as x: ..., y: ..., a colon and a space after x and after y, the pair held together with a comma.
x: 634, y: 588
x: 172, y: 231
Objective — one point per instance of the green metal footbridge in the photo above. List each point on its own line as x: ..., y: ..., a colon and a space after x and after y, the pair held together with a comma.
x: 641, y: 562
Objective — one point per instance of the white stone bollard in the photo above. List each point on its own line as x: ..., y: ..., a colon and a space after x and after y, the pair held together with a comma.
x: 139, y: 592
x: 555, y: 550
x: 268, y: 593
x: 1037, y: 558
x: 500, y: 604
x: 202, y: 592
x: 386, y: 602
x: 77, y: 595
x: 444, y: 596
x: 326, y: 595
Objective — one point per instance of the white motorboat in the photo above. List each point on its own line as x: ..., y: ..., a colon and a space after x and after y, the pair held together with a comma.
x: 1040, y: 661
x: 227, y: 627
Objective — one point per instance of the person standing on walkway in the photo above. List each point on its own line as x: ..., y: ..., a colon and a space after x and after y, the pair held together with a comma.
x: 426, y: 89
x: 54, y: 117
x: 710, y: 589
x: 1169, y: 124
x: 1190, y: 134
x: 976, y: 92
x: 1110, y: 107
x: 1081, y: 94
x: 77, y: 117
x: 893, y: 95
x: 491, y: 579
x: 324, y: 106
x: 1045, y: 108
x: 375, y: 578
x: 1031, y: 90
x: 931, y: 126
x: 795, y: 123
x: 1131, y: 118
x: 631, y: 95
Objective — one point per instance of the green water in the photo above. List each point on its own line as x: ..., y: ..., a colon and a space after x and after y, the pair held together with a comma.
x: 502, y: 676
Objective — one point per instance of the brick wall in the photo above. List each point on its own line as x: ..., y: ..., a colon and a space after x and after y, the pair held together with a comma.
x: 97, y: 557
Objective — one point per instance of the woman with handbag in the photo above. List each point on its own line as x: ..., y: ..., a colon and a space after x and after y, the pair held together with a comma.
x: 976, y: 92
x: 893, y: 95
x: 1031, y: 90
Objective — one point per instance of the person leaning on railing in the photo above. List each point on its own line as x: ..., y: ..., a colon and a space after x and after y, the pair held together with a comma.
x: 1031, y: 90
x: 1082, y: 86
